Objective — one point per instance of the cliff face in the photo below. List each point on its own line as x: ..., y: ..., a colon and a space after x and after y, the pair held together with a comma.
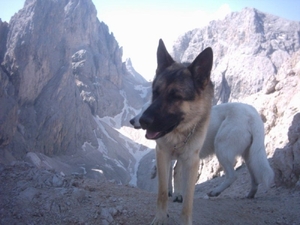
x: 61, y: 72
x: 3, y: 32
x: 280, y: 112
x: 249, y: 48
x: 287, y: 159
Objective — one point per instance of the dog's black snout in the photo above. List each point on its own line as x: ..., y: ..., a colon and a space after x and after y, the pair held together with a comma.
x: 132, y: 122
x: 146, y: 121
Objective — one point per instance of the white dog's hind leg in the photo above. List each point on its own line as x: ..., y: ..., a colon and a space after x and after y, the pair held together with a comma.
x: 226, y: 156
x: 230, y: 177
x: 254, y: 183
x: 229, y: 143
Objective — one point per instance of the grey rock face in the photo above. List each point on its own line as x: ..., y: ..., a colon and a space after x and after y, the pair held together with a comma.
x: 38, y: 63
x: 280, y: 112
x: 61, y: 72
x: 287, y: 160
x: 279, y: 107
x: 3, y: 36
x: 144, y: 173
x: 249, y: 47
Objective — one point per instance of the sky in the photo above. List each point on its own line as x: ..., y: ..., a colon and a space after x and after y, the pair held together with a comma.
x: 138, y: 25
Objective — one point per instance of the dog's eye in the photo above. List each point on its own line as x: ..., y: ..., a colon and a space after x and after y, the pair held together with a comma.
x: 175, y: 95
x: 155, y: 94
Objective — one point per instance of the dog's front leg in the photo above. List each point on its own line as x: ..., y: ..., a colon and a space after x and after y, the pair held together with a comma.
x: 177, y: 195
x: 163, y: 161
x: 189, y: 175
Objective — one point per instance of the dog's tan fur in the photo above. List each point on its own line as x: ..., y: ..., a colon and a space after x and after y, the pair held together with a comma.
x: 190, y: 112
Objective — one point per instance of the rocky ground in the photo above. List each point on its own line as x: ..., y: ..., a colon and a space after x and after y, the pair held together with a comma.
x: 34, y: 196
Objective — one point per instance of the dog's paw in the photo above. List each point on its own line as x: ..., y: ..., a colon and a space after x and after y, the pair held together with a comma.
x: 160, y: 220
x: 250, y: 195
x: 177, y: 198
x: 213, y: 194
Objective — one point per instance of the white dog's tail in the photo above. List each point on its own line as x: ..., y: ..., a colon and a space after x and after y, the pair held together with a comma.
x: 257, y: 161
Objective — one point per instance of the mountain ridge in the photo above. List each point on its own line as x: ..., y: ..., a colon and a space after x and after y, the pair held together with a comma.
x: 245, y: 38
x: 61, y: 70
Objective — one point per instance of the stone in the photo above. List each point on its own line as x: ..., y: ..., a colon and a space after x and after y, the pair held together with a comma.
x: 287, y: 160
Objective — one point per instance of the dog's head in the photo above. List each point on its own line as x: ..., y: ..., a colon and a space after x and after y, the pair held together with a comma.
x: 176, y: 92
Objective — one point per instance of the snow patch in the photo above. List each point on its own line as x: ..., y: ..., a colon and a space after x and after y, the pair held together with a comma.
x: 142, y: 89
x: 102, y: 128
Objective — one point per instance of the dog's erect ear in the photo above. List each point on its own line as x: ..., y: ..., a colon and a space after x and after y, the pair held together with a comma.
x: 164, y: 59
x: 201, y: 67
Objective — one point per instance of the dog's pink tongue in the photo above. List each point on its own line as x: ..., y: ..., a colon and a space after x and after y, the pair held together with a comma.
x: 151, y: 135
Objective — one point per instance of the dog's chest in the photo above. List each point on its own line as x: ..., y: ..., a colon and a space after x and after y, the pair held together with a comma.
x: 177, y: 153
x: 181, y: 146
x: 185, y: 150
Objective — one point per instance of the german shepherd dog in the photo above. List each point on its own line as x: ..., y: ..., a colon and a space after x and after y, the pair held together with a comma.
x: 178, y: 118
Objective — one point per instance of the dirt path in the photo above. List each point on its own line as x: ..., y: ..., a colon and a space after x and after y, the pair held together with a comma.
x: 32, y: 196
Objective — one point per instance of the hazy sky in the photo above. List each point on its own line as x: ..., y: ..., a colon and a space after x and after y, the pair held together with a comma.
x: 137, y: 25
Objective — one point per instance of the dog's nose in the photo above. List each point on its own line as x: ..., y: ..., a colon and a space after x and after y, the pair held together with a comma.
x: 146, y: 121
x: 131, y: 122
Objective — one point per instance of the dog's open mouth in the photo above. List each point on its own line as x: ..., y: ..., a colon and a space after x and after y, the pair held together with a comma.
x: 153, y: 135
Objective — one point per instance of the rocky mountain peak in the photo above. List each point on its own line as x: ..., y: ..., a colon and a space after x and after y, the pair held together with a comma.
x: 62, y: 75
x: 249, y: 47
x: 62, y: 31
x: 3, y: 32
x: 138, y: 77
